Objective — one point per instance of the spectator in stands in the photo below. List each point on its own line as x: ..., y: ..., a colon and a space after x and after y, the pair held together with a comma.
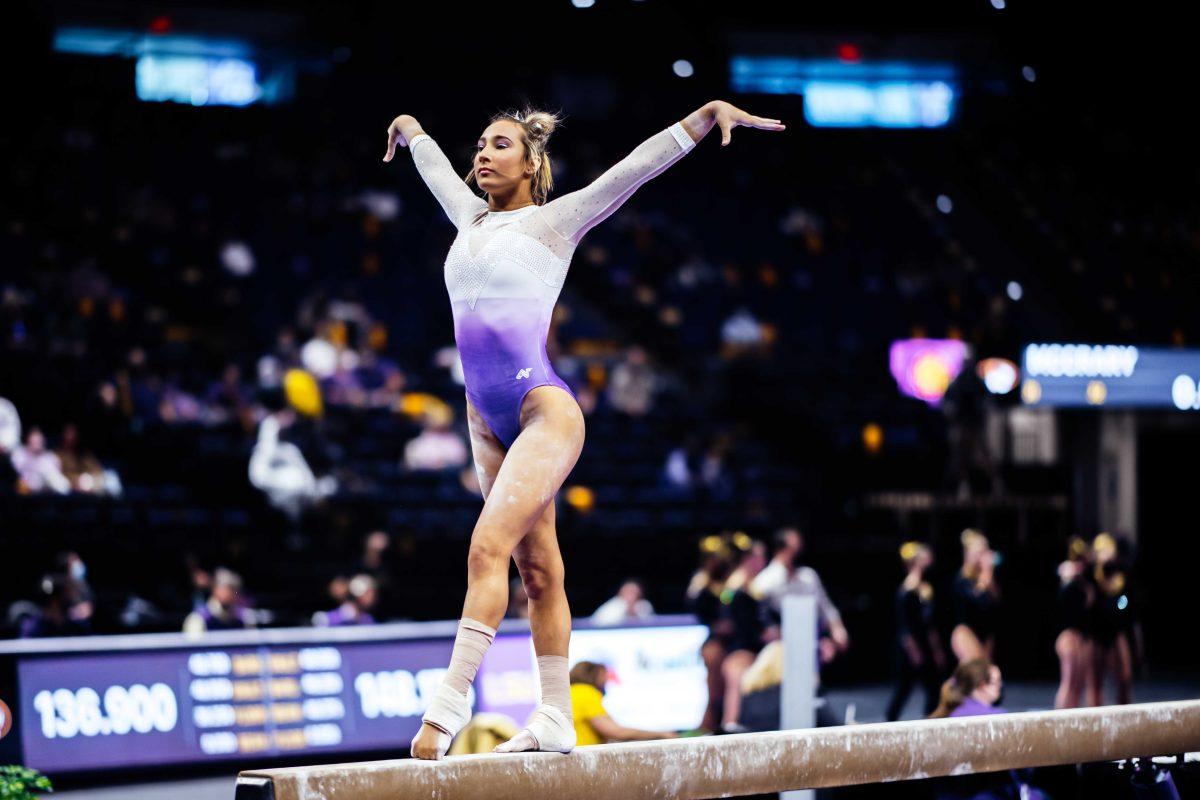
x: 694, y: 466
x: 106, y: 421
x: 339, y: 589
x: 280, y: 469
x: 38, y: 469
x: 383, y: 380
x: 378, y: 560
x: 227, y: 398
x: 199, y: 581
x: 61, y: 613
x: 785, y: 575
x: 143, y: 387
x: 714, y: 472
x: 361, y: 594
x: 629, y: 603
x: 593, y: 725
x: 176, y: 405
x: 71, y: 564
x: 438, y: 446
x: 81, y: 467
x: 224, y: 609
x: 683, y: 462
x: 343, y: 387
x: 633, y: 383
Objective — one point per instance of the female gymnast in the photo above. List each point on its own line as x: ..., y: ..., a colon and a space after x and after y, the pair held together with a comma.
x: 504, y: 272
x: 1076, y: 598
x: 976, y: 600
x: 917, y: 652
x: 1116, y: 634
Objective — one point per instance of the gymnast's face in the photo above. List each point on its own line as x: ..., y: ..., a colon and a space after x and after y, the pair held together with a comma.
x: 925, y: 558
x: 990, y: 692
x: 501, y: 151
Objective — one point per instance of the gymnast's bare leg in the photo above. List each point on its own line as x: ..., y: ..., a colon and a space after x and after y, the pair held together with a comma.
x: 519, y: 487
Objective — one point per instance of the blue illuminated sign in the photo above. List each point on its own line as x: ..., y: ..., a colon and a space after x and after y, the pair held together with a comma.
x: 1078, y: 375
x: 197, y: 80
x: 893, y: 94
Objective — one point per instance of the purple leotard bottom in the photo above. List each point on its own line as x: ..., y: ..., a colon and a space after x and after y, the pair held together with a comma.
x: 502, y: 344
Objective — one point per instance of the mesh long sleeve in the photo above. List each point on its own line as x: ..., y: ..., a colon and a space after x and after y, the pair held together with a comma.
x: 455, y: 197
x: 575, y: 213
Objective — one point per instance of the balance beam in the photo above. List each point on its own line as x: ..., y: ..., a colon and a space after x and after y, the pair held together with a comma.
x: 755, y: 763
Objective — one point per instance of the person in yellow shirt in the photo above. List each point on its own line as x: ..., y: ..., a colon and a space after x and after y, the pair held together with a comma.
x: 593, y: 725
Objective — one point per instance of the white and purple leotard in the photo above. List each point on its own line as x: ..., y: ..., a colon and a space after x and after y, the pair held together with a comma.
x: 505, y: 269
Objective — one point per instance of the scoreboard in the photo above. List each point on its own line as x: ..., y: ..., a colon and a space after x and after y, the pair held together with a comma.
x: 89, y: 712
x: 103, y: 703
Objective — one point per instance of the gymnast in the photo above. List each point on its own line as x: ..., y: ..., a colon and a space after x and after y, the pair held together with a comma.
x: 504, y: 272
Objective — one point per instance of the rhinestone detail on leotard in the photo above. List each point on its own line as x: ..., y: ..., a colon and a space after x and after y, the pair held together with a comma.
x: 471, y: 273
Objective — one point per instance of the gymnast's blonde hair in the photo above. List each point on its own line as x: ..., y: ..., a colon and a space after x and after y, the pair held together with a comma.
x: 909, y: 551
x: 973, y: 541
x: 536, y: 127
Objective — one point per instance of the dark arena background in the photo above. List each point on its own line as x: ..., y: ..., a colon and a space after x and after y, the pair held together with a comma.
x: 936, y: 342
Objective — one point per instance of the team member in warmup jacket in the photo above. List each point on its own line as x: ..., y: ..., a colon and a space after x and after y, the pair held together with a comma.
x: 504, y: 272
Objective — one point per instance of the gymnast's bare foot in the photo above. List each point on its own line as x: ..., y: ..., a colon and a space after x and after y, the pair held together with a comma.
x: 431, y: 743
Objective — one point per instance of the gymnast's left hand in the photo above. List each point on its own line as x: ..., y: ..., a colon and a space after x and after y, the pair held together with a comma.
x: 730, y: 116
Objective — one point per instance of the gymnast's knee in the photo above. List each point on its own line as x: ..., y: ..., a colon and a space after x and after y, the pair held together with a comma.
x: 713, y: 653
x: 736, y: 663
x: 486, y: 558
x: 541, y: 573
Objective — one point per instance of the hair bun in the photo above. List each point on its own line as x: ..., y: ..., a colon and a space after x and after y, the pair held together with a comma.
x: 536, y: 128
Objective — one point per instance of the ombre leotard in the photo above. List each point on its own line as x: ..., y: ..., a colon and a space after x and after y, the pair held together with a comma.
x: 505, y: 270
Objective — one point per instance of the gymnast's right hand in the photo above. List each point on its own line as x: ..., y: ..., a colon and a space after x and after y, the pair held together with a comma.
x: 401, y: 130
x: 430, y: 743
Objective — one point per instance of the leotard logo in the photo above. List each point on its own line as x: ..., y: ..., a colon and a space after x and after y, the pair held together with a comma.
x: 523, y: 373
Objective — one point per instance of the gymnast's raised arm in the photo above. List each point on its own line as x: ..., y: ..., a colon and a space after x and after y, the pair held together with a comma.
x: 575, y: 213
x: 455, y: 197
